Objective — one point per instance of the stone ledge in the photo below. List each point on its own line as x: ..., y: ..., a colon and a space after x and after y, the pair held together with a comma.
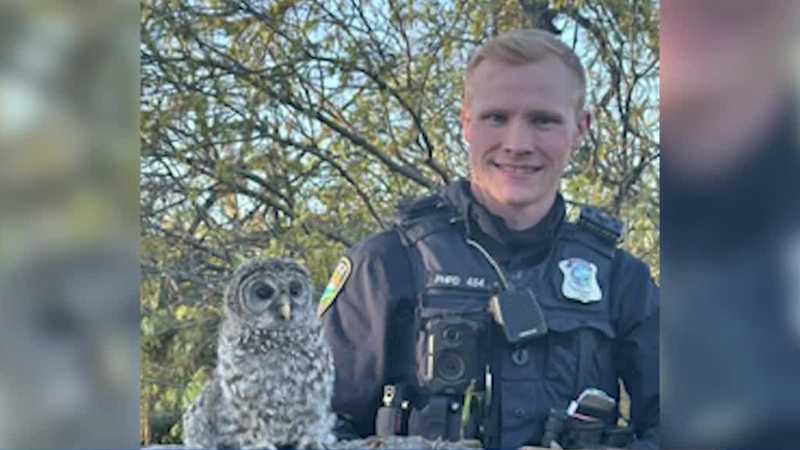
x: 374, y: 442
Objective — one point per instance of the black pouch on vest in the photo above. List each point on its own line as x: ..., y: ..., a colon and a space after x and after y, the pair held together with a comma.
x: 519, y: 314
x: 439, y: 418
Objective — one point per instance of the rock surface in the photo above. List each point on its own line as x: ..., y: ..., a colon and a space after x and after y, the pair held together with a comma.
x: 375, y: 442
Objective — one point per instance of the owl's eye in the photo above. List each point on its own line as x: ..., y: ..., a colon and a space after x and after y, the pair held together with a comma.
x: 263, y: 291
x: 295, y: 288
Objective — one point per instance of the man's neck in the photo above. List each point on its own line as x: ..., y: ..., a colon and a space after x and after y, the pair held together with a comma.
x: 515, y: 218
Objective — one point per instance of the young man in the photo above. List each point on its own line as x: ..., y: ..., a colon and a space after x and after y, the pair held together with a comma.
x: 409, y: 307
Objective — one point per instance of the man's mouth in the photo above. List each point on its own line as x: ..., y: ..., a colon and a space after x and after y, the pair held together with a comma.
x: 523, y: 169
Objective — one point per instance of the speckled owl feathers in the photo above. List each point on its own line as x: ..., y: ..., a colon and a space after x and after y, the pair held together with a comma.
x: 273, y: 382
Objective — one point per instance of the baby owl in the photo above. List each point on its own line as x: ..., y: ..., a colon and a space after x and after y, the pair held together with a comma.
x: 274, y: 377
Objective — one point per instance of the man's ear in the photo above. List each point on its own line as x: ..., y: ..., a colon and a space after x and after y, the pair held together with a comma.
x: 583, y: 123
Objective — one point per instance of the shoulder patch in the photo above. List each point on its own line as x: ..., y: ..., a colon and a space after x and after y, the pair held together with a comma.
x: 339, y: 277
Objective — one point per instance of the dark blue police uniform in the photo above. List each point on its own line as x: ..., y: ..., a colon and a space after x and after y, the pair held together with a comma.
x: 448, y: 252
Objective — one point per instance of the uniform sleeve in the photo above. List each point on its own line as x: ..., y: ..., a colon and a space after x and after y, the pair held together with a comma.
x: 357, y: 328
x: 637, y: 350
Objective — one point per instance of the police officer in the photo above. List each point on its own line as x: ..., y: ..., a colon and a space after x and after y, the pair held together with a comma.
x: 504, y: 230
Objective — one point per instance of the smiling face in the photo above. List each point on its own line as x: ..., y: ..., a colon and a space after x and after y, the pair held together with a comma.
x: 521, y: 123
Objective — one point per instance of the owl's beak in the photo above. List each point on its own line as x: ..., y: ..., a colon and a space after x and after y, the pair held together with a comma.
x: 286, y: 311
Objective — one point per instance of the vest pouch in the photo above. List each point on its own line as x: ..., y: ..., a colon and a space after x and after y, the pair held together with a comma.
x: 451, y: 348
x: 580, y: 355
x: 582, y: 434
x: 439, y: 418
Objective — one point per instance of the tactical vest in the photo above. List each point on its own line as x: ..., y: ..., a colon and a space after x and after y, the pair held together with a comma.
x: 458, y: 275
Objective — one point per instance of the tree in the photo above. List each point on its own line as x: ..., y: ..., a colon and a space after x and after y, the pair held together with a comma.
x: 294, y: 128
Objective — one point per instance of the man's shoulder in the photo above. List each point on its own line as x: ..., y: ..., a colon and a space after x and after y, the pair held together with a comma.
x: 374, y: 271
x: 384, y: 245
x: 412, y: 210
x: 632, y: 276
x: 604, y: 232
x: 627, y: 262
x: 600, y: 223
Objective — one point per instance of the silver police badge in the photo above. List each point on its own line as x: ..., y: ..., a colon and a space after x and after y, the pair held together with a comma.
x: 580, y: 280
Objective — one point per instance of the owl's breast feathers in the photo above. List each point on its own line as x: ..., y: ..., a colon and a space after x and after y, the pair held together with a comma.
x: 284, y: 366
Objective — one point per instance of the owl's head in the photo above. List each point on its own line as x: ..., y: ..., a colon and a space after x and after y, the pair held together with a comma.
x: 270, y: 293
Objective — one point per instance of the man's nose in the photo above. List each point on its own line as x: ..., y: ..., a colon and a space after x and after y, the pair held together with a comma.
x: 518, y: 138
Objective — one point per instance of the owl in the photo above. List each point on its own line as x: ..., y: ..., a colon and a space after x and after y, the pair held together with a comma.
x: 273, y: 382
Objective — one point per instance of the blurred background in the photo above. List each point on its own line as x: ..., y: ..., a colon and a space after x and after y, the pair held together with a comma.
x: 730, y: 194
x: 69, y: 275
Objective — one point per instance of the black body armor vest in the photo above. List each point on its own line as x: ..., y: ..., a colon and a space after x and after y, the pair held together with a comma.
x: 456, y: 276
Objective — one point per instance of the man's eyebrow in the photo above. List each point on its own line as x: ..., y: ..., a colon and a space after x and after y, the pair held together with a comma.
x: 529, y: 112
x: 544, y: 113
x: 493, y: 109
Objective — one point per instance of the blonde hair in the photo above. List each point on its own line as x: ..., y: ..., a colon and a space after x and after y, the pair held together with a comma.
x: 527, y: 46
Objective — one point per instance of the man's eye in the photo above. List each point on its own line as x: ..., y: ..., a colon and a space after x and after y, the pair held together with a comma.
x: 495, y: 118
x: 545, y: 121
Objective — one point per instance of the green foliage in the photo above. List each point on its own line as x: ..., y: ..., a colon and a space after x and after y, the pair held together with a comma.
x: 293, y: 128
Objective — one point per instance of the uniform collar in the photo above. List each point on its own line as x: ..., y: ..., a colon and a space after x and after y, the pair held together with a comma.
x: 483, y: 224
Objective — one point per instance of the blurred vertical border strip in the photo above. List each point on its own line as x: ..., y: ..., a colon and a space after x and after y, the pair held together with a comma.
x: 69, y: 231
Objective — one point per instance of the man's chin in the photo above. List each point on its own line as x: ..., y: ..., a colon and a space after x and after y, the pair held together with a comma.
x: 524, y: 200
x: 519, y: 200
x: 511, y: 197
